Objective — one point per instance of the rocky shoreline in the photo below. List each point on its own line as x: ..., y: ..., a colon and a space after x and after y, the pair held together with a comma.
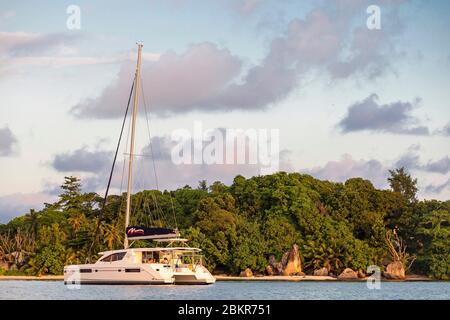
x: 288, y: 269
x: 291, y: 266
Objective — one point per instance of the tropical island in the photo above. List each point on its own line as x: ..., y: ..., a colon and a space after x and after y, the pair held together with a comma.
x: 282, y: 224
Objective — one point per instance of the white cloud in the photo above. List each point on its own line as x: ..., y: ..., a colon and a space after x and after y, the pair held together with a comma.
x: 7, y: 142
x: 17, y: 204
x: 24, y: 49
x: 411, y: 161
x: 7, y: 14
x: 347, y: 167
x: 208, y: 78
x: 394, y: 117
x: 174, y: 82
x: 82, y: 160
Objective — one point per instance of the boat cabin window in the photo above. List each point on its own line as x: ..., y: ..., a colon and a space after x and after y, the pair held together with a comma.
x: 165, y: 257
x: 114, y: 257
x: 150, y: 257
x: 156, y: 257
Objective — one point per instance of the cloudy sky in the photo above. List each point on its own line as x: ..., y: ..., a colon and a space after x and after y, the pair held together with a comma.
x: 348, y: 100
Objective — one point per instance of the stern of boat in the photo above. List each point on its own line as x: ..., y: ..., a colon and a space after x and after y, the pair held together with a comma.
x: 200, y: 275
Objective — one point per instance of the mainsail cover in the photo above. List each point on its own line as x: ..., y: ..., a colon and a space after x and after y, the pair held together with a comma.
x: 141, y: 233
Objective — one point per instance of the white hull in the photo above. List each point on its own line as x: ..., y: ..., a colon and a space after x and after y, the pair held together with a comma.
x: 192, y: 279
x: 116, y: 274
x: 130, y: 270
x: 200, y: 275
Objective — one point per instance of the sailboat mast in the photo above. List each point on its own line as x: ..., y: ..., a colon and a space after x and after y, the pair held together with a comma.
x: 133, y: 129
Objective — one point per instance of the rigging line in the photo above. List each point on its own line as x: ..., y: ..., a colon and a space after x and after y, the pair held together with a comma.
x: 125, y: 148
x: 141, y: 195
x: 121, y: 183
x: 159, y: 211
x: 122, y: 198
x: 149, y: 136
x: 138, y: 200
x: 123, y: 173
x: 149, y: 216
x: 140, y: 184
x: 157, y: 208
x: 151, y: 153
x: 147, y: 211
x: 112, y: 170
x: 158, y: 216
x: 144, y: 212
x: 154, y: 212
x: 138, y: 196
x: 173, y: 210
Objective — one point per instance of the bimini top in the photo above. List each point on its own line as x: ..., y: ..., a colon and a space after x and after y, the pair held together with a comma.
x: 142, y: 233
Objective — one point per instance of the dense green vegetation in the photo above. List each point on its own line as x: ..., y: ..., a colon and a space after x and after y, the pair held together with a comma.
x: 336, y: 225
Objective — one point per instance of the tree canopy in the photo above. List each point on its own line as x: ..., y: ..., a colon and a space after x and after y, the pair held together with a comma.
x: 335, y: 225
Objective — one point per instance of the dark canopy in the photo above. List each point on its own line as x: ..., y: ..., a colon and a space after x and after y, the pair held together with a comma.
x: 136, y: 233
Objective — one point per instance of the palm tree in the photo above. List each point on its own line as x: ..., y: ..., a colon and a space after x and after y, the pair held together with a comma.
x: 69, y: 256
x: 318, y: 256
x: 76, y: 221
x: 110, y: 234
x: 32, y: 219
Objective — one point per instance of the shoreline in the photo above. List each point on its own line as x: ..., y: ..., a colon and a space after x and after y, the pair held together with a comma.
x: 27, y: 278
x: 314, y: 278
x: 237, y: 278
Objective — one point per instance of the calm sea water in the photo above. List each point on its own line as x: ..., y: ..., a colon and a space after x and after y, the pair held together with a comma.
x: 228, y: 290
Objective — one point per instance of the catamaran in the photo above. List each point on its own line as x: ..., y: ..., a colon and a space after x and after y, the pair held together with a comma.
x: 170, y: 262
